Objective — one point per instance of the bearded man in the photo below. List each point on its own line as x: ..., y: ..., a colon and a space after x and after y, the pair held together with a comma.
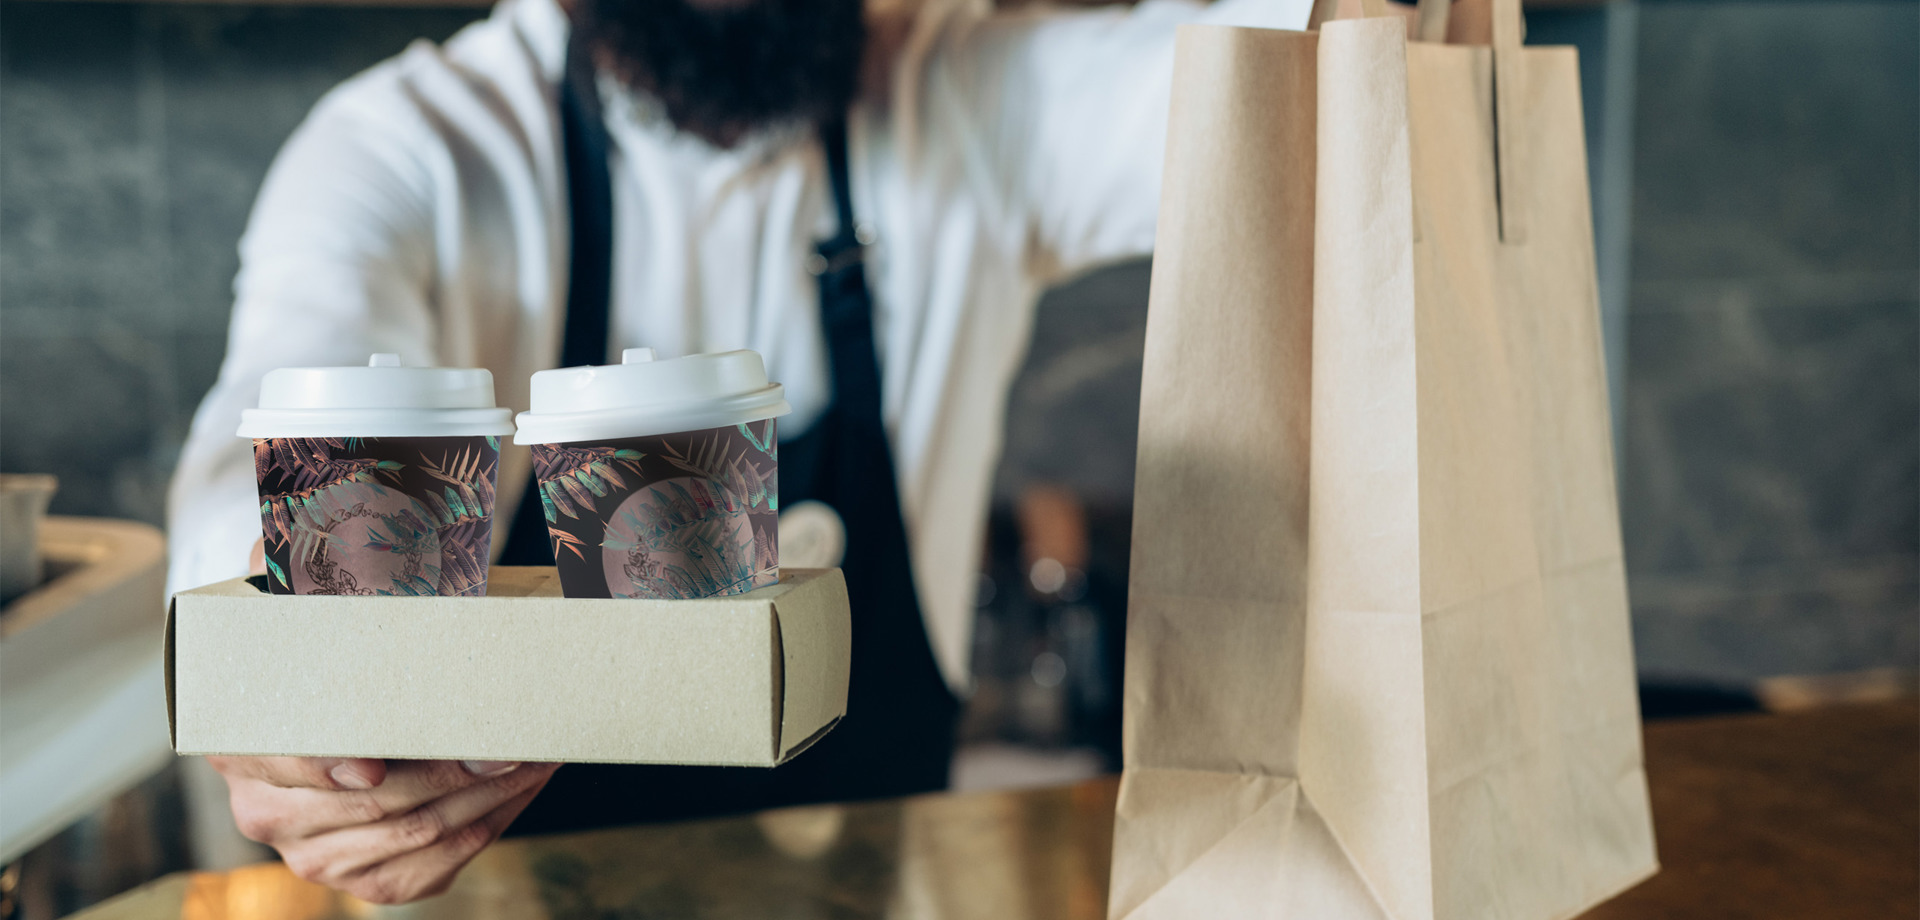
x: 871, y: 198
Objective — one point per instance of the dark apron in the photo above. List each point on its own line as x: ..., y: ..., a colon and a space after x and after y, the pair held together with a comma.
x: 897, y: 737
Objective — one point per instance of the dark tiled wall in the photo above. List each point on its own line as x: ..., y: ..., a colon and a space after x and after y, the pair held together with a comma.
x: 132, y: 140
x: 1770, y: 456
x: 1772, y: 433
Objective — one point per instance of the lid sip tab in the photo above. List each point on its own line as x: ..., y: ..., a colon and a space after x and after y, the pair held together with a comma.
x: 643, y: 395
x: 384, y: 399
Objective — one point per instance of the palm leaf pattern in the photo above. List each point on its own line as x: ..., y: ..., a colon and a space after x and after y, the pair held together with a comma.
x: 310, y: 467
x: 278, y: 574
x: 571, y: 477
x: 443, y: 510
x: 687, y: 541
x: 325, y: 489
x: 766, y: 443
x: 462, y: 516
x: 743, y: 483
x: 682, y: 514
x: 406, y: 534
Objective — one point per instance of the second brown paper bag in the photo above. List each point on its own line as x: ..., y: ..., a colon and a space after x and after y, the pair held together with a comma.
x: 1378, y: 652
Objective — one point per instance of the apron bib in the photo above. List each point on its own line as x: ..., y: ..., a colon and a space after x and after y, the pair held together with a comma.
x: 898, y: 734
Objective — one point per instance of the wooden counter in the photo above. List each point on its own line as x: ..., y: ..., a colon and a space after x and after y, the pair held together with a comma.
x: 1814, y: 815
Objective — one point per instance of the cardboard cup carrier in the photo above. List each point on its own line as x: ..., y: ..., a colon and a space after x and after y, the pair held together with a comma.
x: 659, y: 478
x: 377, y: 480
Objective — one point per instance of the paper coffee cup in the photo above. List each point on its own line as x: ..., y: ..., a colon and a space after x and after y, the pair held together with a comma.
x: 377, y: 479
x: 659, y: 479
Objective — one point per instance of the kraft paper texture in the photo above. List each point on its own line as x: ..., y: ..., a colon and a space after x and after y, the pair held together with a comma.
x: 1378, y: 653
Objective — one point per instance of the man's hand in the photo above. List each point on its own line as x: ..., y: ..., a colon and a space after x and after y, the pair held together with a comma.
x: 384, y: 833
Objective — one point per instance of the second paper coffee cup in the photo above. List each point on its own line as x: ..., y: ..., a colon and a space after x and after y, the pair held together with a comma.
x: 377, y: 479
x: 659, y: 479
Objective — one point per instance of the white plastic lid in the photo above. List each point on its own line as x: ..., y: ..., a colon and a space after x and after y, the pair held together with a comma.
x: 641, y: 396
x: 381, y: 400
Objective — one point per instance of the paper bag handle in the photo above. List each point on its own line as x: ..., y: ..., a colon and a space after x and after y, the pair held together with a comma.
x: 1430, y: 20
x: 1325, y: 11
x: 1509, y: 92
x: 1509, y: 119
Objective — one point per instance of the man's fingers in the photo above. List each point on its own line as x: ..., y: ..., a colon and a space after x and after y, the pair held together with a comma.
x: 430, y: 871
x: 351, y: 850
x: 413, y: 783
x: 338, y: 774
x: 281, y: 816
x: 302, y: 813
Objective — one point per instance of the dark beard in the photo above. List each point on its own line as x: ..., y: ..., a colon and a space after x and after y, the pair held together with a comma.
x: 720, y: 73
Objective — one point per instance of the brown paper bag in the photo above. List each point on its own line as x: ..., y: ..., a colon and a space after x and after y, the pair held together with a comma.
x: 1378, y: 662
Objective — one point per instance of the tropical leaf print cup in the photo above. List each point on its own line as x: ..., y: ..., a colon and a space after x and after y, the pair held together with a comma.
x: 659, y: 479
x: 394, y: 516
x: 377, y: 480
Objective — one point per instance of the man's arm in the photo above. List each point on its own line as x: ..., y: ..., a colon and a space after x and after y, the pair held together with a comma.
x: 337, y: 263
x: 1070, y: 108
x: 1073, y: 108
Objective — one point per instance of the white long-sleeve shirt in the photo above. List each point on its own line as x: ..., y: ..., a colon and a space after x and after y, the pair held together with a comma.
x: 421, y: 209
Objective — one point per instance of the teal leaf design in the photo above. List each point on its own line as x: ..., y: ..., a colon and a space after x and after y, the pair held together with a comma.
x: 457, y: 509
x: 462, y: 571
x: 686, y: 540
x: 556, y: 497
x: 326, y: 485
x: 572, y: 477
x: 575, y: 492
x: 764, y: 445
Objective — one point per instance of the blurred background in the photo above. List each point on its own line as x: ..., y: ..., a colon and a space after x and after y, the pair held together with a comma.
x: 1755, y: 167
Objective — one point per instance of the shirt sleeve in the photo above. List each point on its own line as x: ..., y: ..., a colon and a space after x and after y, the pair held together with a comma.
x: 336, y: 263
x: 1073, y: 112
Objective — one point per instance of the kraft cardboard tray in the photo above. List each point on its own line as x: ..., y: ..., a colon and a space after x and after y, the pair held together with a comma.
x: 522, y: 674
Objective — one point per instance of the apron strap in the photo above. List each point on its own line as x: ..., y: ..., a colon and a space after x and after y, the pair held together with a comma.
x: 583, y: 136
x: 897, y: 737
x: 590, y: 201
